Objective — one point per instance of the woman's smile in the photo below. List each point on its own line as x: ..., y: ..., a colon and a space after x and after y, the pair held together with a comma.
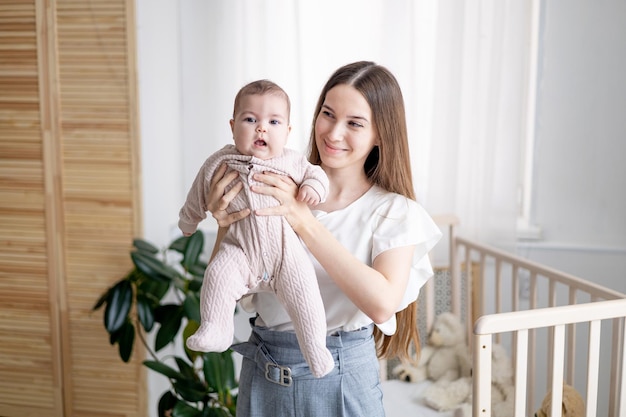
x: 333, y: 149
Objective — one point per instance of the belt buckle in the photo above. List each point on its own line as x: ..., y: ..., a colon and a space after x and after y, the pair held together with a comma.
x: 284, y: 378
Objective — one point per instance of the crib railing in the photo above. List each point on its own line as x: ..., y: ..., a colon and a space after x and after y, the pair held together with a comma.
x: 511, y: 297
x: 521, y: 323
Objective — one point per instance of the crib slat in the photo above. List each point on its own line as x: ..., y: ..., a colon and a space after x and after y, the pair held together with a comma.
x: 532, y: 359
x: 515, y: 289
x: 533, y: 290
x: 558, y: 334
x: 429, y: 287
x: 482, y: 376
x: 571, y: 342
x: 498, y: 293
x: 617, y: 407
x: 593, y: 367
x: 473, y: 291
x: 521, y: 373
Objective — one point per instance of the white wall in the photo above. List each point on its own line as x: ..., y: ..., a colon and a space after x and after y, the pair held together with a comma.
x: 160, y: 117
x: 160, y: 112
x: 579, y: 188
x: 579, y: 196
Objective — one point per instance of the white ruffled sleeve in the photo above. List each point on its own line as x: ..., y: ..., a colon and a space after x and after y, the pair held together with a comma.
x: 403, y: 223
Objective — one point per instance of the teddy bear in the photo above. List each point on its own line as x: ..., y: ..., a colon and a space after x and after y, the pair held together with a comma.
x: 445, y: 357
x: 457, y: 395
x: 573, y: 404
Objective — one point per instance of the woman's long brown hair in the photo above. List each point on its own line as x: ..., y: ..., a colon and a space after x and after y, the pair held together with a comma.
x: 388, y: 166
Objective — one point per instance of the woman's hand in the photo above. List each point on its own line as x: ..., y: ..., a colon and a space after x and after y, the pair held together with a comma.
x: 218, y: 200
x: 285, y: 190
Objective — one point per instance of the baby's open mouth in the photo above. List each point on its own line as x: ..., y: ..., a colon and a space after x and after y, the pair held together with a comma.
x: 260, y: 142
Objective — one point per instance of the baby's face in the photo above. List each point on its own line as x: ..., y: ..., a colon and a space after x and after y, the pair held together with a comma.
x: 261, y: 125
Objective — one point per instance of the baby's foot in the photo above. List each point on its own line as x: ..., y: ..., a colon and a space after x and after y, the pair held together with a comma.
x: 321, y: 362
x: 207, y: 339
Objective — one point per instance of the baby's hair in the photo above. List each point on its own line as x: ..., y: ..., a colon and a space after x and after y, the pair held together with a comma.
x: 260, y: 87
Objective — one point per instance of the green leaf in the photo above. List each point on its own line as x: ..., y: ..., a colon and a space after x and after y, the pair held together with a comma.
x: 186, y: 369
x: 219, y: 372
x: 145, y: 246
x: 153, y: 268
x: 191, y: 327
x: 193, y: 250
x: 113, y: 337
x: 166, y: 403
x: 190, y: 390
x: 101, y: 300
x: 179, y: 244
x: 191, y: 306
x: 195, y: 284
x: 163, y: 369
x: 118, y: 306
x: 144, y: 312
x: 217, y: 412
x: 197, y: 269
x: 230, y: 381
x: 152, y: 289
x: 182, y: 409
x: 170, y: 316
x: 126, y: 340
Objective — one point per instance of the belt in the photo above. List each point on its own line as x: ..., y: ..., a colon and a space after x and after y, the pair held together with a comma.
x: 278, y: 374
x: 273, y: 372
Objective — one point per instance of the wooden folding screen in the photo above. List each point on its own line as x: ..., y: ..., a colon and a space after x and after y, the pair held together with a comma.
x: 69, y: 204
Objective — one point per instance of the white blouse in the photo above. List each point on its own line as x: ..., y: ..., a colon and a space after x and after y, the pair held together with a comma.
x: 376, y: 222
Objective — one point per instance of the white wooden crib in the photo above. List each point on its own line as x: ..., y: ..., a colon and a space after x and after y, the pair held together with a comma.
x: 557, y: 328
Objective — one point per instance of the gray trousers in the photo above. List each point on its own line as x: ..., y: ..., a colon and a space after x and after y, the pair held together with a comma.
x: 275, y: 380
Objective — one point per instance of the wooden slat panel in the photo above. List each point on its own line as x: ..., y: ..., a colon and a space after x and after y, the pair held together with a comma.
x: 96, y: 127
x: 99, y: 191
x: 28, y: 383
x: 68, y: 205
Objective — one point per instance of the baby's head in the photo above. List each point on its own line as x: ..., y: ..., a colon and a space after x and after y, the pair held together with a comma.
x: 260, y: 122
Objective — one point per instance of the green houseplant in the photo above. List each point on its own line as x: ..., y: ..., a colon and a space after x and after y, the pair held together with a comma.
x: 201, y: 383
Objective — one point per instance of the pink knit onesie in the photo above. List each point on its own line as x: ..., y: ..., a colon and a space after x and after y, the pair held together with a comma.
x: 258, y: 253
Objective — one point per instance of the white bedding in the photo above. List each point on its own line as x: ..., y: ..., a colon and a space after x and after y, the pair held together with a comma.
x: 403, y: 399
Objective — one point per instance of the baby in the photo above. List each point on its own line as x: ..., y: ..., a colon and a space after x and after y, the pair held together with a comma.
x: 259, y: 253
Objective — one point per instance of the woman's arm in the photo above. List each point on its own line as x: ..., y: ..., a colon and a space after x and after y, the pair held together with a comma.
x: 375, y: 290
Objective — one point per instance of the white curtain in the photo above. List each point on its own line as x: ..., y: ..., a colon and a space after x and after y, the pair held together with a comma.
x: 479, y: 114
x: 461, y: 65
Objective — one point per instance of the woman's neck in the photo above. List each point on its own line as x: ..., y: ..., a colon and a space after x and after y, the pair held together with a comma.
x: 345, y: 188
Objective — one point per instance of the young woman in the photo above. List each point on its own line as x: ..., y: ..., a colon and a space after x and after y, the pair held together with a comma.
x: 369, y: 242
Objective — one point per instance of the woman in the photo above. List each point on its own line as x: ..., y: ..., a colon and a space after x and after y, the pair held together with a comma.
x: 369, y: 242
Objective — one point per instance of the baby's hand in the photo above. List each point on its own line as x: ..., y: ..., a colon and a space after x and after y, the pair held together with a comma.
x: 308, y: 195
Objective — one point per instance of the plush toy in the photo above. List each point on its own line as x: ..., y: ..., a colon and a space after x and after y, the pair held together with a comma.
x: 445, y: 357
x: 457, y: 395
x: 573, y: 404
x: 448, y: 395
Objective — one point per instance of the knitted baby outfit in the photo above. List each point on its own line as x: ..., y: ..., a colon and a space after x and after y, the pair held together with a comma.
x: 258, y: 253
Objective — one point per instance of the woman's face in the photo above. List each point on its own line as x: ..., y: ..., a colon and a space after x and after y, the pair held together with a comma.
x: 344, y: 129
